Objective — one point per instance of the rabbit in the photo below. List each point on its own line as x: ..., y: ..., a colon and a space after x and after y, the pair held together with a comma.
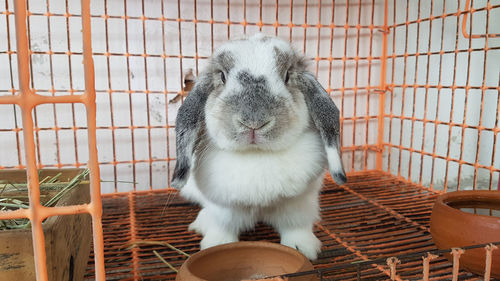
x: 254, y: 139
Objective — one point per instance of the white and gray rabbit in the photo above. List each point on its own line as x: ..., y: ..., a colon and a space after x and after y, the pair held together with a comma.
x: 254, y: 138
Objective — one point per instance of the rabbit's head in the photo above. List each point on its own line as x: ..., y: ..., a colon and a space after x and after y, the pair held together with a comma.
x: 255, y: 94
x: 255, y: 103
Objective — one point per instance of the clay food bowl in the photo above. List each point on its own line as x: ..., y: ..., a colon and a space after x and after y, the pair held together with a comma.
x: 466, y: 218
x: 244, y: 260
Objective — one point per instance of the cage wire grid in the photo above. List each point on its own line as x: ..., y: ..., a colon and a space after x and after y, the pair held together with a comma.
x: 417, y: 84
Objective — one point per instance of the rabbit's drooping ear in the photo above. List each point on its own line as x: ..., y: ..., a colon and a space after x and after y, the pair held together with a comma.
x: 325, y: 116
x: 188, y: 128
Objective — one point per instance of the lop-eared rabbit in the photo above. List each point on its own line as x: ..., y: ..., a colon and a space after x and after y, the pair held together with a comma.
x: 254, y: 140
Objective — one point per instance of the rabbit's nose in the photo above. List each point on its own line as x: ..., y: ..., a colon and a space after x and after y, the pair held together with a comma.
x: 255, y: 124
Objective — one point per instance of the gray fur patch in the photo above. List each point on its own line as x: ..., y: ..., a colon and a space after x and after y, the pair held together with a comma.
x: 266, y: 38
x: 322, y: 109
x: 340, y: 178
x: 248, y: 80
x: 283, y: 60
x: 225, y: 60
x: 189, y: 123
x: 324, y: 114
x: 255, y: 106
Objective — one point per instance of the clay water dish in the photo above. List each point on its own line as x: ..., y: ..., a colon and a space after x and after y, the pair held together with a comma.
x: 244, y: 261
x: 467, y: 218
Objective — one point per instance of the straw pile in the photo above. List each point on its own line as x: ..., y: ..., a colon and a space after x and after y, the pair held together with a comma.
x: 14, y: 196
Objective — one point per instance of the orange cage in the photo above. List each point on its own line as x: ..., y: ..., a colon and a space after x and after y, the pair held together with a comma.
x: 417, y: 85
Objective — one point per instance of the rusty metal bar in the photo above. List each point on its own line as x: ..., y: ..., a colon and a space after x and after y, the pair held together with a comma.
x: 382, y: 88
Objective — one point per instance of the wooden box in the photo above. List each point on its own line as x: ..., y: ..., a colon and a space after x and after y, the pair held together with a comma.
x: 67, y: 238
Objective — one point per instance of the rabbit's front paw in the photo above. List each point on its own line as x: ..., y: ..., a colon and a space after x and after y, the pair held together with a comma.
x: 303, y: 240
x: 213, y: 238
x: 197, y: 227
x: 202, y: 223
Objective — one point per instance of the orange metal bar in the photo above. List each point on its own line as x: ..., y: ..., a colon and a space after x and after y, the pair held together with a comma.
x: 465, y: 113
x: 414, y: 94
x: 342, y: 87
x: 495, y: 139
x: 165, y: 80
x: 95, y: 194
x: 383, y: 88
x: 140, y: 192
x: 444, y: 15
x: 370, y: 61
x: 437, y: 122
x: 209, y: 21
x: 470, y: 10
x: 148, y: 115
x: 453, y: 92
x: 483, y: 94
x: 129, y: 74
x: 115, y: 163
x: 392, y: 105
x: 356, y: 71
x: 110, y: 92
x: 71, y: 84
x: 438, y: 98
x: 52, y: 86
x: 426, y: 93
x: 447, y: 158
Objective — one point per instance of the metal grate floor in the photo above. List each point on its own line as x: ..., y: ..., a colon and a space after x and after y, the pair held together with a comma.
x: 375, y: 215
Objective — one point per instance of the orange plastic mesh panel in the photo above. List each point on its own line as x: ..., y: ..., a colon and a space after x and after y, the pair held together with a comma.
x: 441, y: 121
x: 26, y: 99
x: 374, y: 216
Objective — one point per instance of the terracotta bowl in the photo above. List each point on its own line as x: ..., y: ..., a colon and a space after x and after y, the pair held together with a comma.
x: 454, y: 224
x: 244, y: 260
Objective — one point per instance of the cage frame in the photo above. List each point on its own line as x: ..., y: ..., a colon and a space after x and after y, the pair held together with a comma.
x: 27, y: 99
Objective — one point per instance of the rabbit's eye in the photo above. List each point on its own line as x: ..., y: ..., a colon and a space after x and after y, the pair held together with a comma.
x: 222, y: 77
x: 287, y: 77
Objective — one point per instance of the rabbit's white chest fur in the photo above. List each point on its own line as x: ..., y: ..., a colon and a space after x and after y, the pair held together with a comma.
x: 258, y: 178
